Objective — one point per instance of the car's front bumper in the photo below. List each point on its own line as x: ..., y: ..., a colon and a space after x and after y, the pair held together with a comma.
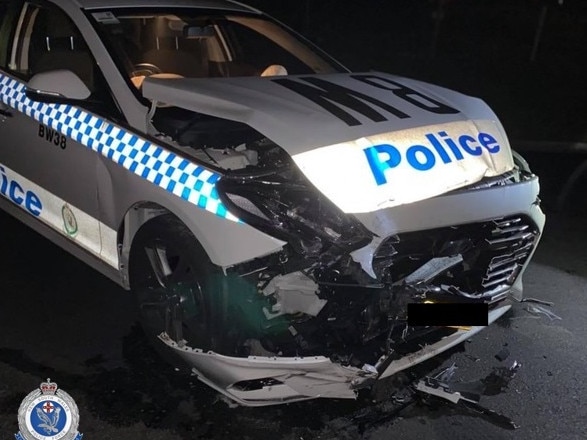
x: 277, y: 380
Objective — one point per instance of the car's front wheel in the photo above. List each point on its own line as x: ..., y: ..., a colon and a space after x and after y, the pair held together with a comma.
x: 169, y: 274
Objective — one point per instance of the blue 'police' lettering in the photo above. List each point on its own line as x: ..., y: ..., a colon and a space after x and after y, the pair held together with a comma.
x: 451, y: 144
x: 12, y: 190
x: 384, y: 157
x: 427, y: 156
x: 489, y: 142
x: 379, y: 166
x: 466, y: 141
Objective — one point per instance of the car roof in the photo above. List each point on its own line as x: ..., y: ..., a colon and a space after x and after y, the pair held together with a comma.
x: 206, y: 4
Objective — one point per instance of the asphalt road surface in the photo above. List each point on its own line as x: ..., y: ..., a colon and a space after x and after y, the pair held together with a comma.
x: 59, y: 319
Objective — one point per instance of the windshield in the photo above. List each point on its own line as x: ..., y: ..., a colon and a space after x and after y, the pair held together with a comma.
x: 198, y: 43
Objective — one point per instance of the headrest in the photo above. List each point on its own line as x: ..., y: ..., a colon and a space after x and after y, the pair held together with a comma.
x: 60, y: 26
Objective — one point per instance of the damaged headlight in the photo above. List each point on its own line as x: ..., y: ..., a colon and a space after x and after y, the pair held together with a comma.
x: 282, y: 202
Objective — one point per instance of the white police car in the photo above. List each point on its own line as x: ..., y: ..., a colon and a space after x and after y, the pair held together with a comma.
x: 274, y: 214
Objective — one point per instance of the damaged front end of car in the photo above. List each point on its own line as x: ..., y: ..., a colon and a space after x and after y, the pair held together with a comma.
x: 433, y: 209
x: 327, y: 315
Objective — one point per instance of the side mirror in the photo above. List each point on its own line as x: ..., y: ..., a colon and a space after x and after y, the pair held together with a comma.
x: 57, y: 86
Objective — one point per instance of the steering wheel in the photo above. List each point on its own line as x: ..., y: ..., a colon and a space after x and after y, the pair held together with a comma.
x: 145, y: 69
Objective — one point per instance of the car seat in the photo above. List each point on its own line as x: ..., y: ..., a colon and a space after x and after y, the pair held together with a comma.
x: 57, y: 44
x: 171, y: 52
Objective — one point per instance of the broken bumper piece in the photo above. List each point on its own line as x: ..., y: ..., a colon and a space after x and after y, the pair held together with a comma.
x: 261, y: 381
x: 444, y: 344
x: 440, y: 387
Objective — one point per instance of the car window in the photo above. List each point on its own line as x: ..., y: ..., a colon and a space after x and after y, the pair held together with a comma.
x: 200, y: 44
x: 46, y: 39
x: 250, y: 46
x: 8, y: 18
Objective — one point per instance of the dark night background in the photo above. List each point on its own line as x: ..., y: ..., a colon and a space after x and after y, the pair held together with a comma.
x: 478, y: 47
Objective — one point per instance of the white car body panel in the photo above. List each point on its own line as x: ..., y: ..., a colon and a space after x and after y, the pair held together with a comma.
x: 299, y: 124
x: 332, y: 154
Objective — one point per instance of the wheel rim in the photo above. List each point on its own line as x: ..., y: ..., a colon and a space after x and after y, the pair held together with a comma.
x: 170, y: 297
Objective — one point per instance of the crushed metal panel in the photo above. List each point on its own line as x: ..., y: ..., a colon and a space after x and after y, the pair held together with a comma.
x: 295, y: 120
x: 303, y: 378
x: 432, y: 268
x: 321, y: 386
x: 432, y: 350
x: 392, y: 162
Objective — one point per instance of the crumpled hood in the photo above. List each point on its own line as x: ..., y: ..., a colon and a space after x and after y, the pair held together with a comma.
x: 367, y: 141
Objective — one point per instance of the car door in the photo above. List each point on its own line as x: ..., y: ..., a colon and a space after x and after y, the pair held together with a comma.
x: 43, y: 169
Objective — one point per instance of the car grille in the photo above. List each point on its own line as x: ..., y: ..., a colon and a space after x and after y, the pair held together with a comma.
x: 493, y: 253
x: 511, y: 243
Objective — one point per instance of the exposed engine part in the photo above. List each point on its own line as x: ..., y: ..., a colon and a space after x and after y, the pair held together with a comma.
x: 228, y: 158
x: 198, y: 131
x: 432, y: 268
x: 293, y: 293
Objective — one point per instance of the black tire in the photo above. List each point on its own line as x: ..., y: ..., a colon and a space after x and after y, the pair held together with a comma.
x: 170, y: 275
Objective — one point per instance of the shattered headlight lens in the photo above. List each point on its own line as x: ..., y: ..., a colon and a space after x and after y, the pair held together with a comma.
x: 282, y: 202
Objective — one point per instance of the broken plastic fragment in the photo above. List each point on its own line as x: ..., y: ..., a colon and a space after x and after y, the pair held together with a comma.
x: 433, y: 387
x: 446, y: 375
x: 493, y: 416
x: 538, y: 301
x: 538, y: 310
x: 370, y: 369
x: 294, y: 292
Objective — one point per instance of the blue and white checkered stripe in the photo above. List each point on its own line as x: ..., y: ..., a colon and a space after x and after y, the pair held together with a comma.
x: 173, y: 173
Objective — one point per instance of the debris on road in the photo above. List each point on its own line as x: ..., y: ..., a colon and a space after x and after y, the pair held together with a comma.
x: 538, y: 301
x: 538, y: 310
x: 438, y: 385
x: 468, y: 395
x: 498, y: 380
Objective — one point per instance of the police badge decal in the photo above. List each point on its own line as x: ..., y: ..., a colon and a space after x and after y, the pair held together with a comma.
x: 48, y: 414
